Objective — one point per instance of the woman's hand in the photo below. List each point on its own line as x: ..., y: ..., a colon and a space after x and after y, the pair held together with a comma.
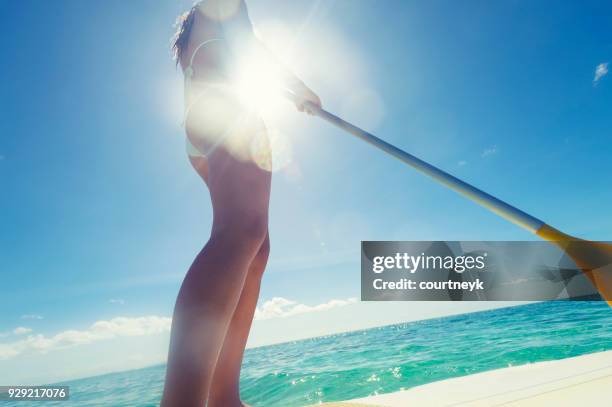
x: 305, y: 99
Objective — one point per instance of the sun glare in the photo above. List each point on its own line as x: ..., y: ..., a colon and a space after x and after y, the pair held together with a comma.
x: 258, y: 81
x: 259, y: 85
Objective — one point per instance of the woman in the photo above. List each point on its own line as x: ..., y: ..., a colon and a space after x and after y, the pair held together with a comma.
x: 227, y: 146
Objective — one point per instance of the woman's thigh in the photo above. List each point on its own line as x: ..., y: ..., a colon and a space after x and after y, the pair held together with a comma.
x: 200, y: 165
x: 239, y: 189
x: 238, y: 161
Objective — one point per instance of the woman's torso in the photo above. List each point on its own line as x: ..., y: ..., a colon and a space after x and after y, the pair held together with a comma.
x: 212, y: 107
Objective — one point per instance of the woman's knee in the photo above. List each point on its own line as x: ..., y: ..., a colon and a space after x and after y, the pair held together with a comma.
x: 248, y: 232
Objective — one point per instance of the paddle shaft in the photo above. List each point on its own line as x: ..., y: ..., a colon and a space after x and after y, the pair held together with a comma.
x: 601, y: 280
x: 490, y: 202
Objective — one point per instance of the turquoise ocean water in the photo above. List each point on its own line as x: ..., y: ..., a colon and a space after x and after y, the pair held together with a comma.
x: 384, y: 359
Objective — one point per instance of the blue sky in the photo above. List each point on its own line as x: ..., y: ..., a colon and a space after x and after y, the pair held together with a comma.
x: 101, y: 214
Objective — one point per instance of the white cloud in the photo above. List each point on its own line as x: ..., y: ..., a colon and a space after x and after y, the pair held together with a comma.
x: 98, y: 331
x: 600, y: 71
x: 7, y: 351
x: 489, y: 151
x: 279, y: 307
x: 118, y: 301
x: 20, y: 330
x: 141, y: 326
x: 31, y: 316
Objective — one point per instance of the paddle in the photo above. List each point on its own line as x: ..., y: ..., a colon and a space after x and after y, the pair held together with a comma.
x: 593, y: 258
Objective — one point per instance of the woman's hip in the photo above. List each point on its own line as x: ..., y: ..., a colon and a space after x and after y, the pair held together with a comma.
x: 219, y: 120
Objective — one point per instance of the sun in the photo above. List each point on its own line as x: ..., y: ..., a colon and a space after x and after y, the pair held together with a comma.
x: 259, y: 83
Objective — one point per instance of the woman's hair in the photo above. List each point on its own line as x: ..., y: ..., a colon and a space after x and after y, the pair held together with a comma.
x: 183, y: 24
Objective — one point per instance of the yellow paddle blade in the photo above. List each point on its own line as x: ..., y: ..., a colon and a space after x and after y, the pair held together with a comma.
x: 593, y: 258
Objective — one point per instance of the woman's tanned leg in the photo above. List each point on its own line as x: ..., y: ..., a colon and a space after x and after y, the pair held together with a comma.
x: 225, y: 389
x: 212, y: 288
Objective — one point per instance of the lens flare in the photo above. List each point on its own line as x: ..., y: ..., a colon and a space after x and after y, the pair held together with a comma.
x: 219, y: 10
x: 259, y: 84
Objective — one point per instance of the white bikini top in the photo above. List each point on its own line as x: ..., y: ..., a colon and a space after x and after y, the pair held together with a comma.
x: 191, y: 100
x: 188, y: 72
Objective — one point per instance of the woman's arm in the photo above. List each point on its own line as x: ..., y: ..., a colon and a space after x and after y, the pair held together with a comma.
x: 241, y: 38
x: 302, y: 94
